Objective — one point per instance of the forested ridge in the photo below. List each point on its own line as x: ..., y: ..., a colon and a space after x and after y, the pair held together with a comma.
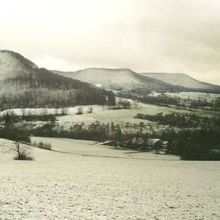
x: 26, y: 85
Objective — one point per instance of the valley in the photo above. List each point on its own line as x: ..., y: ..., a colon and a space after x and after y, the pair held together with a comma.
x: 106, y: 144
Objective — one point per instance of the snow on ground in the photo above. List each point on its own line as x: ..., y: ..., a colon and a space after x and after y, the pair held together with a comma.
x: 105, y: 77
x: 105, y: 115
x: 90, y: 181
x: 196, y: 95
x: 191, y: 95
x: 100, y: 113
x: 121, y: 116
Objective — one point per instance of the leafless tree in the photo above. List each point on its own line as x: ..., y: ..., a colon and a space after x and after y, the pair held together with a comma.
x: 22, y: 151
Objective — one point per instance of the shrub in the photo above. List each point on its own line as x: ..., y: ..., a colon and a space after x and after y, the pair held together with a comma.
x: 90, y: 110
x: 45, y: 146
x: 79, y: 111
x: 64, y: 111
x: 124, y: 104
x: 23, y: 156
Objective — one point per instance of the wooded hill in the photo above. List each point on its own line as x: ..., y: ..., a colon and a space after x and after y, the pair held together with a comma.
x: 23, y: 84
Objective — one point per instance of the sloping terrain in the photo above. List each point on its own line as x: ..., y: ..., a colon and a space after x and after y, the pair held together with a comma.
x: 126, y: 79
x: 181, y: 79
x: 23, y: 84
x: 123, y: 79
x: 14, y: 65
x: 98, y: 182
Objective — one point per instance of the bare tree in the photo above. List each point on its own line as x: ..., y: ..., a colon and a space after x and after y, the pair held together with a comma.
x: 90, y: 109
x: 20, y: 140
x: 64, y: 111
x: 23, y: 111
x: 22, y: 151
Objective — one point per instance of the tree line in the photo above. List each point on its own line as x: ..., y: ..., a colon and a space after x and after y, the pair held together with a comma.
x: 165, y: 100
x: 180, y: 120
x: 42, y: 88
x: 200, y: 143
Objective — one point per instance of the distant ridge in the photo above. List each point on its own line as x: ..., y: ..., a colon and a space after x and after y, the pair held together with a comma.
x: 124, y: 79
x: 129, y: 80
x: 182, y: 79
x: 23, y: 84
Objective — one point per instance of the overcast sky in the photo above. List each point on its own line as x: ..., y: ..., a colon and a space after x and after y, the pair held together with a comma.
x: 143, y: 35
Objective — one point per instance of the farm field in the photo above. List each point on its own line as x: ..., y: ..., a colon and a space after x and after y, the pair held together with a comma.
x: 83, y: 180
x: 103, y: 114
x: 122, y: 116
x: 195, y: 95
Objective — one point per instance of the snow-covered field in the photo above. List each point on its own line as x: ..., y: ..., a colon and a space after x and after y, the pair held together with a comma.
x: 105, y: 115
x: 100, y: 113
x: 195, y: 95
x: 122, y: 116
x: 83, y: 180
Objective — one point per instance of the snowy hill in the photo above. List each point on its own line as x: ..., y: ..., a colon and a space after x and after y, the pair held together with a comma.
x: 127, y: 79
x: 13, y: 64
x: 105, y: 77
x: 124, y: 79
x: 23, y: 84
x: 181, y: 79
